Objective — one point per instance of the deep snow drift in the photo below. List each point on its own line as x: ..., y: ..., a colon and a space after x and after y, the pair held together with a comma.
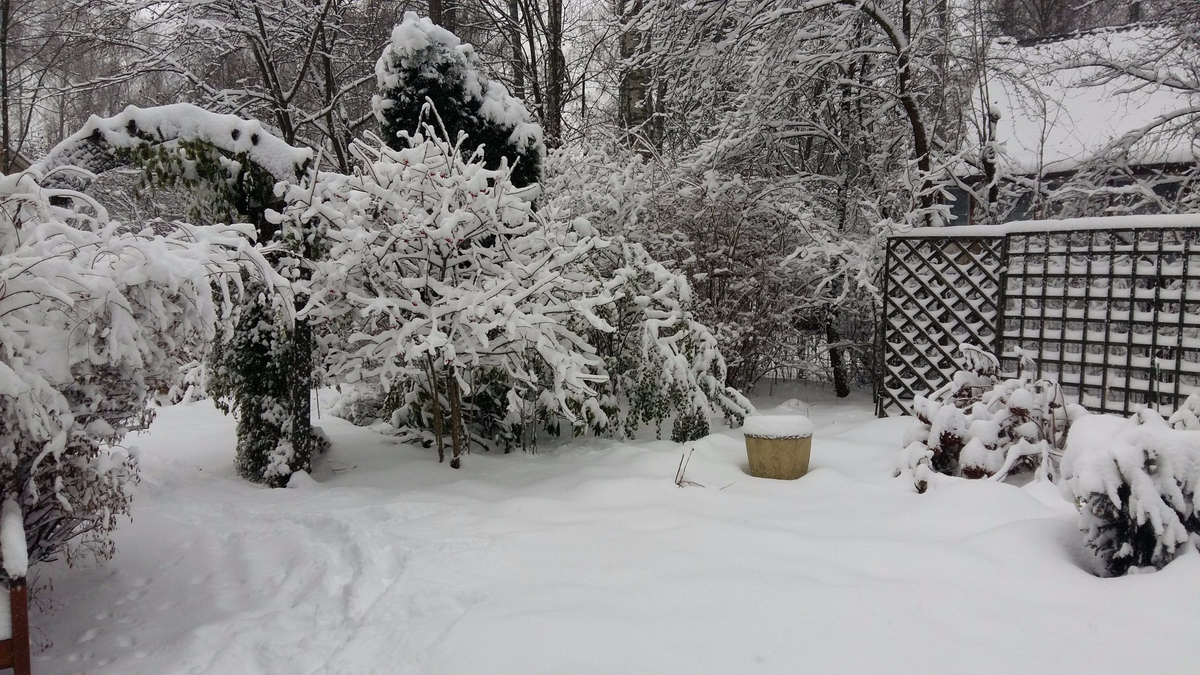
x: 587, y: 558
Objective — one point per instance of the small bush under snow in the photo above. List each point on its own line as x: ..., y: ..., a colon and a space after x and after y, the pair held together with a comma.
x: 360, y: 405
x: 1135, y: 482
x: 982, y: 426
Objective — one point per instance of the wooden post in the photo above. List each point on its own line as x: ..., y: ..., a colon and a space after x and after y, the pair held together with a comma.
x: 18, y: 600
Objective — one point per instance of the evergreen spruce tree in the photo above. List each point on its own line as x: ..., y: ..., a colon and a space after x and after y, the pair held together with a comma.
x: 425, y: 63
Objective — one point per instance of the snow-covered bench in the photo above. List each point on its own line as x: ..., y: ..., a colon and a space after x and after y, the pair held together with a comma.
x: 14, y: 627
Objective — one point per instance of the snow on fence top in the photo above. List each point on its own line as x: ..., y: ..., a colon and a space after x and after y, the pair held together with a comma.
x: 12, y: 540
x: 1066, y: 224
x: 180, y: 121
x: 778, y: 426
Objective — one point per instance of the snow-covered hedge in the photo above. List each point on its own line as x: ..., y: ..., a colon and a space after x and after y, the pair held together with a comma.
x: 1135, y: 481
x: 95, y: 318
x: 487, y: 320
x: 981, y: 426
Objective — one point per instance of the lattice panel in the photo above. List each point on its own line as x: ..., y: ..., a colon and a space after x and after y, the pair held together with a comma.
x: 938, y: 292
x: 1113, y: 315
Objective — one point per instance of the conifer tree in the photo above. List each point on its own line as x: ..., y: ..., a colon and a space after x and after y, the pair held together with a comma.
x: 425, y: 64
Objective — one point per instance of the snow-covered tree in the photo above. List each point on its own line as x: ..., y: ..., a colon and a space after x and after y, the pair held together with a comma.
x: 96, y: 317
x: 488, y: 321
x: 424, y: 63
x: 261, y: 368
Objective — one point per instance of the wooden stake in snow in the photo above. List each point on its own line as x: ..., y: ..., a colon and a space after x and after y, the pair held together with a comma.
x: 14, y: 651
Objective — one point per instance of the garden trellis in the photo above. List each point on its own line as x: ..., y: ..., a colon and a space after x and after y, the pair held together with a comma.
x: 1108, y: 307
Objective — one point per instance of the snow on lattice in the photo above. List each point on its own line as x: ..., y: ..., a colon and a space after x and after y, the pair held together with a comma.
x: 940, y: 292
x: 1142, y: 221
x: 1118, y: 335
x: 135, y: 127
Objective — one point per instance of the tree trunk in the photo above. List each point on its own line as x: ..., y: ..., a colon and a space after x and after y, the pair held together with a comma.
x: 555, y: 75
x: 632, y: 93
x: 837, y: 359
x: 456, y: 425
x: 6, y: 132
x: 514, y: 39
x: 437, y: 410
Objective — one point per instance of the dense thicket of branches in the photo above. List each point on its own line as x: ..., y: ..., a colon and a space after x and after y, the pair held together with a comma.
x: 763, y: 148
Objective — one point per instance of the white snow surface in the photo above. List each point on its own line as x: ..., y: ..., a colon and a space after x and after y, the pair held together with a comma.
x: 12, y: 540
x: 587, y: 558
x: 778, y: 426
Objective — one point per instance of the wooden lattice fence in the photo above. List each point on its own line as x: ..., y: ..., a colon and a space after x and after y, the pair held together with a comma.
x: 1108, y: 307
x: 939, y: 291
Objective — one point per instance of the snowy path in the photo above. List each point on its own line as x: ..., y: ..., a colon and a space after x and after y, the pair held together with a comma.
x: 588, y: 559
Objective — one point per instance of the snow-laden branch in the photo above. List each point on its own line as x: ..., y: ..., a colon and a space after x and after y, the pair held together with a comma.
x: 98, y: 146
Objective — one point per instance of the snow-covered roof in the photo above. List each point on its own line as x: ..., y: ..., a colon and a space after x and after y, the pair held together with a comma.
x: 1055, y: 115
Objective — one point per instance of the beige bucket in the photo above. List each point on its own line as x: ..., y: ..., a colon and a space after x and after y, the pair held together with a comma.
x: 781, y: 458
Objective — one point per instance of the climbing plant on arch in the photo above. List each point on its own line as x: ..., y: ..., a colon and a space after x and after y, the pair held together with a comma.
x: 262, y: 369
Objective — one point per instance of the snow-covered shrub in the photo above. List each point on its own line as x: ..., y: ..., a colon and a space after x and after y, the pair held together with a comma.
x: 423, y: 63
x: 190, y: 386
x: 359, y: 405
x: 261, y: 370
x: 764, y: 267
x: 660, y: 362
x: 980, y: 425
x: 482, y: 317
x: 226, y: 168
x: 95, y: 319
x: 1135, y: 481
x: 1187, y: 417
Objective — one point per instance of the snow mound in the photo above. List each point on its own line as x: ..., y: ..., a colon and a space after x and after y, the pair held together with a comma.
x: 12, y: 540
x: 778, y: 426
x: 301, y: 480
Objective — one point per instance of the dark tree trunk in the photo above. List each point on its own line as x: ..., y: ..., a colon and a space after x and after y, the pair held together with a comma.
x: 555, y: 75
x: 514, y: 38
x: 837, y: 357
x: 456, y: 425
x: 6, y: 132
x: 437, y: 410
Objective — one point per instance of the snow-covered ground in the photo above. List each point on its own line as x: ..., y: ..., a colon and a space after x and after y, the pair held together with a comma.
x: 587, y: 558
